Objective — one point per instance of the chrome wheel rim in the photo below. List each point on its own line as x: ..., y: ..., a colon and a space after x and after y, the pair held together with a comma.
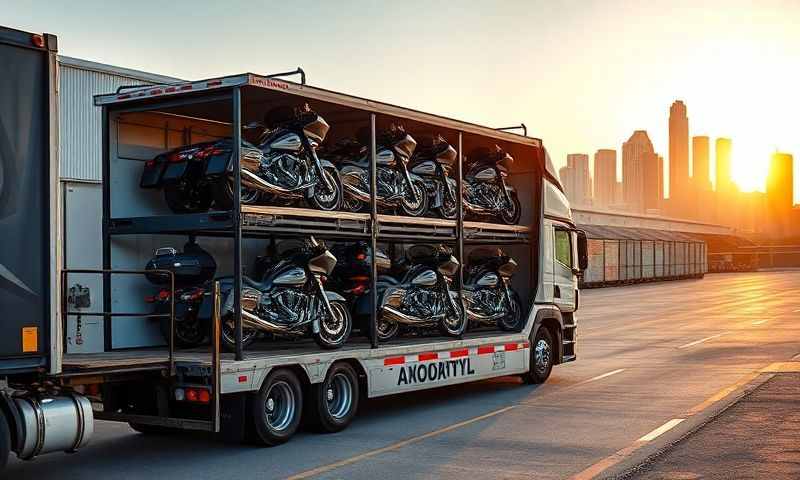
x: 228, y: 333
x: 510, y: 213
x: 326, y: 199
x: 334, y: 328
x: 386, y: 329
x: 410, y: 205
x: 280, y: 406
x: 542, y: 354
x: 339, y: 396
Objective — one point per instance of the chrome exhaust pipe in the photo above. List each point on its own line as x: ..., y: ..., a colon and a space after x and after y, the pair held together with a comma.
x: 255, y: 322
x: 393, y: 315
x: 251, y: 180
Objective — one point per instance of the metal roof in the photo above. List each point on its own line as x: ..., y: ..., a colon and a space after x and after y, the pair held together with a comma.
x: 602, y: 232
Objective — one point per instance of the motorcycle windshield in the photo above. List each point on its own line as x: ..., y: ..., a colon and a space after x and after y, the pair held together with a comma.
x: 316, y: 129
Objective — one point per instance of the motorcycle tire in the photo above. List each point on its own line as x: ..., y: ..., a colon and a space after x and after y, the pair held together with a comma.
x: 389, y: 332
x: 329, y: 201
x: 513, y: 321
x: 223, y: 195
x: 327, y: 337
x: 456, y: 330
x: 334, y: 402
x: 183, y: 338
x: 182, y: 199
x: 420, y: 208
x: 448, y: 212
x: 276, y: 409
x: 227, y: 339
x: 511, y: 217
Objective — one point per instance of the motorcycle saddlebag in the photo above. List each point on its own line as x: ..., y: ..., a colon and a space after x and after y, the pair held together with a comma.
x: 153, y: 171
x: 192, y: 267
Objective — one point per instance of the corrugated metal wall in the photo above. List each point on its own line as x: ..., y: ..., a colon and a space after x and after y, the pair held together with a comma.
x: 80, y: 133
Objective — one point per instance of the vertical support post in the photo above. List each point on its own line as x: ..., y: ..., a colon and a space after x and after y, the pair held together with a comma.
x: 460, y: 226
x: 171, y: 323
x: 215, y: 357
x: 107, y: 344
x: 373, y: 213
x: 236, y: 125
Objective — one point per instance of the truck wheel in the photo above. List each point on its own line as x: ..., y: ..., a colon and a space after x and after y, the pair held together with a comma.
x: 5, y: 441
x: 335, y: 400
x: 542, y: 356
x: 277, y: 408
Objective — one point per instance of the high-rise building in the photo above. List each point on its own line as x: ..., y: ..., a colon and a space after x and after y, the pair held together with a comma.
x: 577, y: 179
x: 605, y: 177
x: 780, y: 194
x: 700, y: 171
x: 678, y: 157
x: 723, y: 165
x: 653, y: 178
x: 636, y: 153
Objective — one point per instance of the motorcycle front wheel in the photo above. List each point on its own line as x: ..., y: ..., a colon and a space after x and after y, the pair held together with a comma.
x: 228, y: 335
x: 334, y: 330
x: 181, y: 197
x: 448, y: 210
x: 418, y: 207
x: 512, y: 322
x: 323, y: 198
x: 455, y: 324
x: 511, y: 214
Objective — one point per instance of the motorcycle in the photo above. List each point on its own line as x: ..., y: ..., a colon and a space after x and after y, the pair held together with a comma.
x: 485, y: 190
x: 423, y: 297
x: 489, y: 299
x: 433, y: 164
x: 193, y: 270
x: 397, y: 187
x: 290, y: 300
x: 281, y: 167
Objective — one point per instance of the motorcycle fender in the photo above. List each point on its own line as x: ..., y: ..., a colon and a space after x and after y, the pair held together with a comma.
x: 326, y: 163
x: 334, y: 297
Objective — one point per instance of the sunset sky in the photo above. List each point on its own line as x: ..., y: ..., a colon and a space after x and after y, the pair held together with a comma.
x: 582, y: 75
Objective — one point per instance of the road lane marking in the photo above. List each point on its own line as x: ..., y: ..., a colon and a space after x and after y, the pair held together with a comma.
x: 797, y: 311
x: 760, y: 322
x: 661, y: 430
x: 357, y: 458
x: 696, y: 342
x: 782, y: 367
x: 614, y: 372
x: 722, y: 393
x: 796, y: 357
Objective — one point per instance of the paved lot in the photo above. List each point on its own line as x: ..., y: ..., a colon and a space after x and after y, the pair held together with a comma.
x: 647, y: 354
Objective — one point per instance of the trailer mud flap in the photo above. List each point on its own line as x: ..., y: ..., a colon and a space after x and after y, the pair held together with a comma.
x: 429, y: 369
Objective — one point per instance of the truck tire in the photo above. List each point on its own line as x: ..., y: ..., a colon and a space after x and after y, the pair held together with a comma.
x: 277, y: 407
x: 542, y: 357
x: 5, y: 441
x: 334, y: 402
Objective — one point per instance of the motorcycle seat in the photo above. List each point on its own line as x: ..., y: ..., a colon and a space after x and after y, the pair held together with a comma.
x: 249, y: 282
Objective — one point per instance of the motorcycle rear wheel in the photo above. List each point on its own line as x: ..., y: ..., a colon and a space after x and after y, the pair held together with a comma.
x: 228, y: 335
x: 327, y: 200
x: 183, y: 198
x: 387, y: 330
x: 188, y: 331
x: 511, y: 215
x: 334, y: 332
x: 420, y: 207
x: 223, y: 195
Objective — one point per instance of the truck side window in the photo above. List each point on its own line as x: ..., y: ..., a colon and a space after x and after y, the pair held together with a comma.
x: 563, y: 248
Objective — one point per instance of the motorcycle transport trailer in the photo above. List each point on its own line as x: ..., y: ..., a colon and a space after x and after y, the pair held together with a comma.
x: 142, y: 380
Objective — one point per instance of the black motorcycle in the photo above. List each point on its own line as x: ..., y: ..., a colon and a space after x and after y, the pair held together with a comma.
x: 290, y: 300
x: 397, y: 187
x: 281, y: 167
x: 486, y: 193
x: 422, y: 299
x: 193, y: 270
x: 433, y: 164
x: 489, y: 299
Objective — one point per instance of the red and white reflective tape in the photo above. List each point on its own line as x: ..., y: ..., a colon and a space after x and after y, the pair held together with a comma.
x: 458, y: 353
x: 156, y: 91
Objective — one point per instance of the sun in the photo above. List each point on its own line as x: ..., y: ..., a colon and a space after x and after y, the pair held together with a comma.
x: 749, y: 165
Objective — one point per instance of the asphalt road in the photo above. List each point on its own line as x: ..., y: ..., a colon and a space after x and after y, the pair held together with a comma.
x: 646, y: 354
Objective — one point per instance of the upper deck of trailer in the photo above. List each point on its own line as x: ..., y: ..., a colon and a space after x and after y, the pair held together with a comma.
x: 258, y: 84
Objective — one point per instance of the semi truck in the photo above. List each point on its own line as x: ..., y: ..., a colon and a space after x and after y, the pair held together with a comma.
x: 51, y: 393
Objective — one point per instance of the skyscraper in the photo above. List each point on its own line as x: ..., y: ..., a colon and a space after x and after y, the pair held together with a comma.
x: 635, y: 152
x: 723, y: 165
x: 653, y: 182
x: 678, y: 157
x: 605, y: 177
x: 780, y: 193
x: 577, y: 179
x: 700, y: 172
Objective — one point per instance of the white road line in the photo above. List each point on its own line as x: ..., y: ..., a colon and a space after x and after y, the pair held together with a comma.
x: 660, y: 430
x: 614, y: 372
x: 691, y: 344
x: 796, y: 357
x: 797, y: 311
x: 760, y: 322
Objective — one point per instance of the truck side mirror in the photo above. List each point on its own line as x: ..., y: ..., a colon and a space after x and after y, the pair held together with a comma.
x: 583, y: 250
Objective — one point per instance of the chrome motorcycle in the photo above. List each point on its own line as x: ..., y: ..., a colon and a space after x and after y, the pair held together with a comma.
x: 486, y: 193
x: 423, y: 298
x: 284, y: 167
x: 397, y: 187
x: 290, y: 300
x: 489, y: 299
x: 433, y: 164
